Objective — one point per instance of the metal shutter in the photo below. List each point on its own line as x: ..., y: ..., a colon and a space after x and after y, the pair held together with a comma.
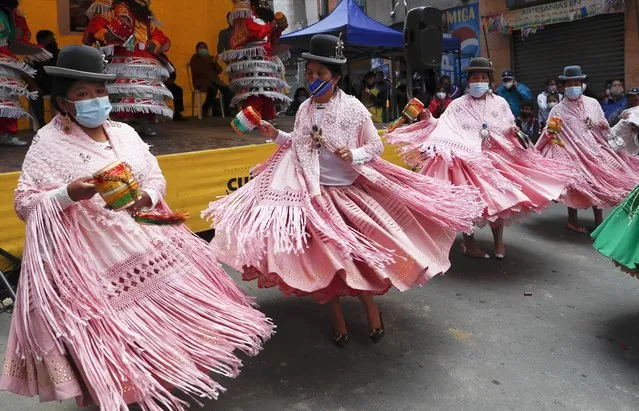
x: 596, y: 44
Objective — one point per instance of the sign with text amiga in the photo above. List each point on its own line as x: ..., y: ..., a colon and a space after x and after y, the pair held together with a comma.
x: 463, y: 24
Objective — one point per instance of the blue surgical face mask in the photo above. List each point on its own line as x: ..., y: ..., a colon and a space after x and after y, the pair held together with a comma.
x: 477, y: 89
x: 573, y: 93
x: 92, y: 113
x: 203, y: 52
x: 319, y: 87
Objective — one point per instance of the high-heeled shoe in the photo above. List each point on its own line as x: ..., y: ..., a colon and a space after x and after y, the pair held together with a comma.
x: 341, y: 340
x: 376, y: 334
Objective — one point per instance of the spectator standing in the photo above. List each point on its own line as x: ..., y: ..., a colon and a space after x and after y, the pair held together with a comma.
x: 552, y: 100
x: 379, y: 94
x: 224, y: 37
x: 299, y: 97
x: 551, y: 87
x: 46, y: 39
x: 441, y: 101
x: 616, y: 103
x: 513, y: 92
x: 205, y: 70
x: 527, y: 122
x: 453, y: 90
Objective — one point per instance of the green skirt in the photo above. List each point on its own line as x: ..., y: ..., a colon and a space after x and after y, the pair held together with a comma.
x: 618, y: 236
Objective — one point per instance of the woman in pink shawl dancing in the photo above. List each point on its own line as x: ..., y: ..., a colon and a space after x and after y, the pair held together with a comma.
x: 111, y: 311
x: 327, y: 218
x: 476, y: 143
x: 578, y: 135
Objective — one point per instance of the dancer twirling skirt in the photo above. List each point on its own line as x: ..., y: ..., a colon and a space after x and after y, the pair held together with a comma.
x: 476, y: 143
x: 326, y: 217
x: 578, y: 135
x: 111, y: 311
x: 617, y: 237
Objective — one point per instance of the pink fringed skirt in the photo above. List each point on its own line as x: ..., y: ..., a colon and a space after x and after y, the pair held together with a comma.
x: 189, y: 317
x: 609, y: 176
x: 420, y: 247
x: 509, y: 188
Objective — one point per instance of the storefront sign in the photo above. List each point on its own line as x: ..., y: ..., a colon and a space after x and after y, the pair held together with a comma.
x: 557, y: 12
x: 520, y: 4
x: 463, y: 24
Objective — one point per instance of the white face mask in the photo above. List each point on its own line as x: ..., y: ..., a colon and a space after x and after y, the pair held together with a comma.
x: 552, y: 104
x: 440, y: 95
x: 478, y: 89
x: 508, y: 84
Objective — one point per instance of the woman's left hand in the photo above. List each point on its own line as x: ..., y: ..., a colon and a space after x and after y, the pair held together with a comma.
x: 345, y: 154
x: 144, y: 202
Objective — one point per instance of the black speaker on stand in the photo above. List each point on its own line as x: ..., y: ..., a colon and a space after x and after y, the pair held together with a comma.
x: 423, y: 45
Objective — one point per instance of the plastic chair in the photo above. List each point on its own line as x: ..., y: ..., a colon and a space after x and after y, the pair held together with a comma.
x: 197, y: 95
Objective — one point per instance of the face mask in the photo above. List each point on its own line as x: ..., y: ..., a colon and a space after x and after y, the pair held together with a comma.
x: 617, y: 91
x: 203, y: 52
x: 318, y: 87
x: 573, y: 93
x: 477, y: 89
x: 92, y: 113
x: 441, y: 95
x: 552, y: 89
x: 552, y: 104
x: 508, y: 84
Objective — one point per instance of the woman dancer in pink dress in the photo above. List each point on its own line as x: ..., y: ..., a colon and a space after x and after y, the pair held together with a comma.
x: 326, y: 217
x: 111, y: 311
x: 578, y: 135
x: 476, y: 143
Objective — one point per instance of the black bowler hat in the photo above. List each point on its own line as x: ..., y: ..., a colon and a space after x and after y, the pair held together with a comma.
x: 572, y: 73
x: 327, y: 49
x: 479, y: 64
x: 80, y: 62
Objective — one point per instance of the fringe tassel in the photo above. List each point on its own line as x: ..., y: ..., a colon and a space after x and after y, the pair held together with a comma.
x: 135, y: 108
x: 15, y: 113
x: 98, y: 7
x: 135, y: 90
x: 268, y: 94
x: 240, y: 13
x: 141, y: 71
x: 250, y: 66
x: 240, y: 83
x: 230, y: 55
x: 19, y: 65
x: 130, y: 346
x: 108, y: 50
x: 285, y: 56
x: 43, y: 55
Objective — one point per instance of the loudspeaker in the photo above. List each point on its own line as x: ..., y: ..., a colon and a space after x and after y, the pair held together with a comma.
x: 423, y: 38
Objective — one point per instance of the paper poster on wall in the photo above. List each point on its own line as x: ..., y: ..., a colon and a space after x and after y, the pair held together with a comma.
x: 72, y: 17
x: 463, y: 24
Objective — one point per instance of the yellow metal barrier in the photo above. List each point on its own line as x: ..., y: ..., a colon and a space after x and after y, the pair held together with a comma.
x: 194, y: 179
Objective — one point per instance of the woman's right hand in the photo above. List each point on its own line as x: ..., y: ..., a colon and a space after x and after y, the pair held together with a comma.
x: 81, y: 189
x: 266, y: 129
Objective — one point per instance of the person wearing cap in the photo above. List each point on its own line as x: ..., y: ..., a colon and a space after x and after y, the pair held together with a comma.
x: 111, y: 311
x: 513, y: 92
x: 615, y: 104
x: 475, y: 143
x: 578, y: 135
x: 326, y: 217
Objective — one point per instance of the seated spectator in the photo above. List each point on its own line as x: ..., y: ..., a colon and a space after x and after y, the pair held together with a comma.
x: 46, y: 39
x: 453, y: 90
x: 616, y: 103
x: 205, y: 71
x: 298, y: 98
x: 178, y: 97
x: 552, y: 99
x: 441, y: 101
x: 527, y: 121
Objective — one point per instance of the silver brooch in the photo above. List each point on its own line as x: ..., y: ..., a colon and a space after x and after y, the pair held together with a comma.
x: 339, y: 48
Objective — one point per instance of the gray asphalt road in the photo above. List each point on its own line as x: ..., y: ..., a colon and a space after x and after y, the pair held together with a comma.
x: 468, y: 341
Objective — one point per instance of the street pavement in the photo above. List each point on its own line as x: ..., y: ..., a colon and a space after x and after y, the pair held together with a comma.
x: 470, y: 340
